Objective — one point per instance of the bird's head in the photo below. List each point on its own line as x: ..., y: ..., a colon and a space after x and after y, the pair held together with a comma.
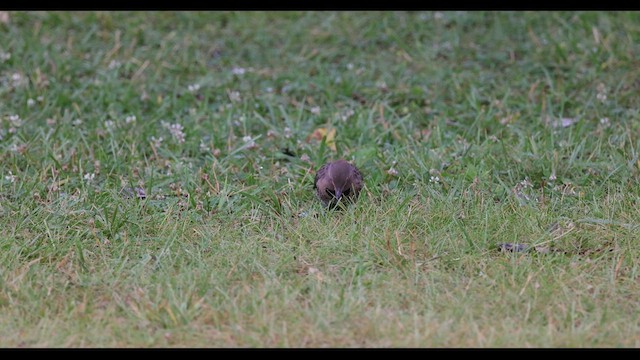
x: 340, y: 174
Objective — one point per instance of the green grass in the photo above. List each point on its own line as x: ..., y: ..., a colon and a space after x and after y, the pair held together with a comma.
x: 230, y: 248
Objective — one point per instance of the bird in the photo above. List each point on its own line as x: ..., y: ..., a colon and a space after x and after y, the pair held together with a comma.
x: 337, y: 182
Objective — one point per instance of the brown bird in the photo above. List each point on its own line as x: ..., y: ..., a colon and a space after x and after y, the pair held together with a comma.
x: 337, y: 182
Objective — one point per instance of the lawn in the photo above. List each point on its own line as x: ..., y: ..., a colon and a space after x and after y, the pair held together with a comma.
x: 156, y: 179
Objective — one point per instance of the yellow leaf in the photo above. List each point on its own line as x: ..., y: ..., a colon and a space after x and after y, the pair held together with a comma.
x: 330, y: 139
x: 329, y: 136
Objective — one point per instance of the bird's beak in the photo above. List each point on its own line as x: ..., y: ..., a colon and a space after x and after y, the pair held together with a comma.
x: 338, y: 194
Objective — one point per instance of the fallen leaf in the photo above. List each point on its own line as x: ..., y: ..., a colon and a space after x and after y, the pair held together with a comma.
x: 542, y: 249
x: 317, y: 273
x: 328, y: 136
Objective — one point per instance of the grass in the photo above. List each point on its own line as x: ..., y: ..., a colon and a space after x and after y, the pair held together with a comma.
x: 502, y: 127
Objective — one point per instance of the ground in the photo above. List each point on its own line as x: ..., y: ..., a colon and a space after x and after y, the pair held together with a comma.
x: 156, y: 179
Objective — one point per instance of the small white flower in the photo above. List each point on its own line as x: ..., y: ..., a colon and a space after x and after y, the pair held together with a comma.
x: 392, y: 171
x: 203, y: 146
x: 602, y: 92
x: 566, y: 122
x: 109, y: 124
x: 89, y: 176
x: 193, y: 87
x: 605, y: 122
x: 11, y: 178
x: 234, y: 96
x: 40, y: 98
x: 305, y: 158
x: 315, y: 110
x: 114, y: 64
x: 238, y: 71
x: 381, y: 84
x: 552, y: 177
x: 250, y: 143
x: 602, y: 97
x: 76, y: 122
x: 176, y: 132
x: 16, y: 77
x: 129, y: 119
x: 157, y: 142
x: 526, y: 183
x: 434, y: 179
x: 15, y: 120
x: 347, y: 114
x: 30, y: 102
x: 287, y: 132
x: 349, y: 66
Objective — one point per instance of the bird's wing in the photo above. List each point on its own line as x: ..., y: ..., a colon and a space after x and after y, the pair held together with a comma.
x: 357, y: 176
x: 320, y: 173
